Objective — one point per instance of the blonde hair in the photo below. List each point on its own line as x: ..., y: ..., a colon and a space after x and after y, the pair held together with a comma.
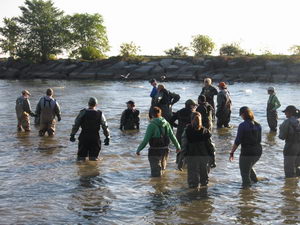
x: 196, y: 120
x: 161, y: 86
x: 208, y: 81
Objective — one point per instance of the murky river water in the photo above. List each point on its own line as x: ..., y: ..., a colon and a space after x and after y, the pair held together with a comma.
x: 41, y: 183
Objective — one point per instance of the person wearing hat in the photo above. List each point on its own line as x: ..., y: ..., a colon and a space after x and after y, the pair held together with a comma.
x: 206, y: 111
x: 289, y: 131
x: 47, y: 109
x: 153, y: 93
x: 249, y: 137
x: 223, y: 106
x: 165, y: 100
x: 90, y: 120
x: 272, y: 106
x: 130, y: 119
x: 209, y: 91
x: 23, y: 111
x: 199, y: 156
x: 158, y: 135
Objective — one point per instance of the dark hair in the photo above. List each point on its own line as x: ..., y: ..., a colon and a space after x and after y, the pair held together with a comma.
x: 156, y: 112
x: 49, y: 92
x: 152, y: 81
x: 201, y: 98
x: 196, y: 120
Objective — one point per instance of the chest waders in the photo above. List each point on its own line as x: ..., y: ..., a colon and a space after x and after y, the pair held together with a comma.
x: 272, y: 115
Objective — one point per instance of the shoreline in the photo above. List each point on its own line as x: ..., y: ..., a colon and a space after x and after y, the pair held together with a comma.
x: 219, y: 68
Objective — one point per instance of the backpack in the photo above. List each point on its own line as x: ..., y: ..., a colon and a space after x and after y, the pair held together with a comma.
x: 160, y: 142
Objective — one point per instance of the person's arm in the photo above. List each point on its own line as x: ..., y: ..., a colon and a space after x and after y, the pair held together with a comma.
x: 276, y: 103
x: 137, y: 119
x: 184, y: 141
x: 175, y: 98
x: 27, y: 107
x: 284, y: 130
x: 38, y: 108
x: 104, y: 126
x: 173, y: 119
x: 148, y: 135
x: 77, y: 123
x: 57, y: 111
x: 237, y: 141
x: 122, y: 121
x: 202, y: 91
x: 215, y: 91
x: 173, y: 138
x: 220, y: 101
x: 153, y: 92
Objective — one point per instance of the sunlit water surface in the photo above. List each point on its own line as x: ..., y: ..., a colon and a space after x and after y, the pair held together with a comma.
x: 41, y: 183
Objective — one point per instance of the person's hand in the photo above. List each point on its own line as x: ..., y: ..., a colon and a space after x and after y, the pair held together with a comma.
x: 58, y: 118
x: 138, y: 153
x: 72, y: 138
x: 106, y: 141
x: 231, y: 157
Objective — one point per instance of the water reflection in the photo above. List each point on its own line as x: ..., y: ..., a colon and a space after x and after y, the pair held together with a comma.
x: 271, y: 138
x: 291, y: 208
x: 248, y: 210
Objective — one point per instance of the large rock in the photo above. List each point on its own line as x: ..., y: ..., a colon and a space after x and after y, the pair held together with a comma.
x: 118, y: 65
x: 141, y: 72
x: 186, y: 76
x: 172, y: 68
x: 256, y: 68
x: 157, y: 70
x: 278, y: 77
x: 10, y: 73
x: 294, y: 69
x: 217, y: 77
x: 166, y: 62
x: 179, y: 62
x: 264, y: 77
x: 193, y: 68
x: 293, y: 78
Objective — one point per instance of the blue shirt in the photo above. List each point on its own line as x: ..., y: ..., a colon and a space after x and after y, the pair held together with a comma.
x: 244, y: 127
x: 153, y: 92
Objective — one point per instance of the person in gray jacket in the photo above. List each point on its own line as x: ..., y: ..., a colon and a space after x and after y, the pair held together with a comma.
x: 289, y: 131
x: 47, y: 109
x: 90, y: 120
x: 23, y: 111
x: 223, y: 106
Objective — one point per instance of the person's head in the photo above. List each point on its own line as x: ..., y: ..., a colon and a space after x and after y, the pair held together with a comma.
x: 190, y: 104
x: 49, y: 92
x: 207, y: 82
x: 92, y: 102
x: 290, y: 111
x: 153, y: 82
x: 201, y: 99
x: 196, y: 120
x: 271, y: 90
x: 130, y: 104
x: 246, y: 113
x: 156, y: 112
x: 160, y: 87
x: 222, y: 85
x: 26, y: 93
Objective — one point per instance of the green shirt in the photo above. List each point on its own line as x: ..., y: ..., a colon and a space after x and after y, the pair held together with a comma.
x: 274, y: 102
x: 154, y: 131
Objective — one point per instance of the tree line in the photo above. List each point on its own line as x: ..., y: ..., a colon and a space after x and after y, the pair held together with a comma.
x: 43, y: 31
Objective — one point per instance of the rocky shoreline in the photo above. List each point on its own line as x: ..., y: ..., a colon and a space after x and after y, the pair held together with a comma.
x: 239, y: 69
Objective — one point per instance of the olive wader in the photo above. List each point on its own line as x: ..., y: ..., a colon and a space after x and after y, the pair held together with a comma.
x: 158, y: 153
x: 272, y: 115
x: 23, y: 111
x: 223, y: 109
x: 209, y: 92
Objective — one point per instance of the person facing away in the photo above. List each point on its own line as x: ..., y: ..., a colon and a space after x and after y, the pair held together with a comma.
x: 158, y: 135
x: 130, y: 119
x: 272, y: 106
x: 184, y: 117
x: 289, y: 131
x: 90, y: 120
x: 199, y: 151
x: 153, y: 93
x: 223, y: 106
x: 206, y: 110
x: 23, y: 111
x: 249, y: 137
x: 209, y: 91
x: 47, y: 109
x: 165, y: 100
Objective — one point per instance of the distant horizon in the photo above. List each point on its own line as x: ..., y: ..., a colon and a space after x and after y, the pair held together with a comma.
x: 258, y: 26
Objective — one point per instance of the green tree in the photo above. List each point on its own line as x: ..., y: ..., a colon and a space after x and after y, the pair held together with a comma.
x: 295, y: 49
x: 129, y: 49
x: 232, y: 49
x: 87, y: 34
x: 202, y: 45
x: 10, y: 33
x: 178, y: 50
x: 42, y: 30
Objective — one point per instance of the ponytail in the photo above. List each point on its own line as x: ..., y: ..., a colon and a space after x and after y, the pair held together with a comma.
x: 196, y: 120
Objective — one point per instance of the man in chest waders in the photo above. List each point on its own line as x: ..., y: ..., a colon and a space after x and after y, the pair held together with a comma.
x: 158, y: 135
x: 90, y: 120
x: 47, y: 109
x: 23, y: 111
x: 273, y: 105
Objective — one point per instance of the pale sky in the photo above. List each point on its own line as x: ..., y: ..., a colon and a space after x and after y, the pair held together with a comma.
x: 158, y: 25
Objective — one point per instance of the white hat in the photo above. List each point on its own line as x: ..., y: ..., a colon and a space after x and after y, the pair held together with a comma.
x: 271, y: 89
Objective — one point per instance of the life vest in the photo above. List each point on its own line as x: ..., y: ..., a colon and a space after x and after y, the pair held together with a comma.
x: 90, y: 123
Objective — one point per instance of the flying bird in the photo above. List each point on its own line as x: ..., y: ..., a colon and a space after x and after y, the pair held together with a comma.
x: 125, y: 76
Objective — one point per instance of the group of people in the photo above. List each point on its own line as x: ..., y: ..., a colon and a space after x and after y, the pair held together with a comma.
x: 193, y: 139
